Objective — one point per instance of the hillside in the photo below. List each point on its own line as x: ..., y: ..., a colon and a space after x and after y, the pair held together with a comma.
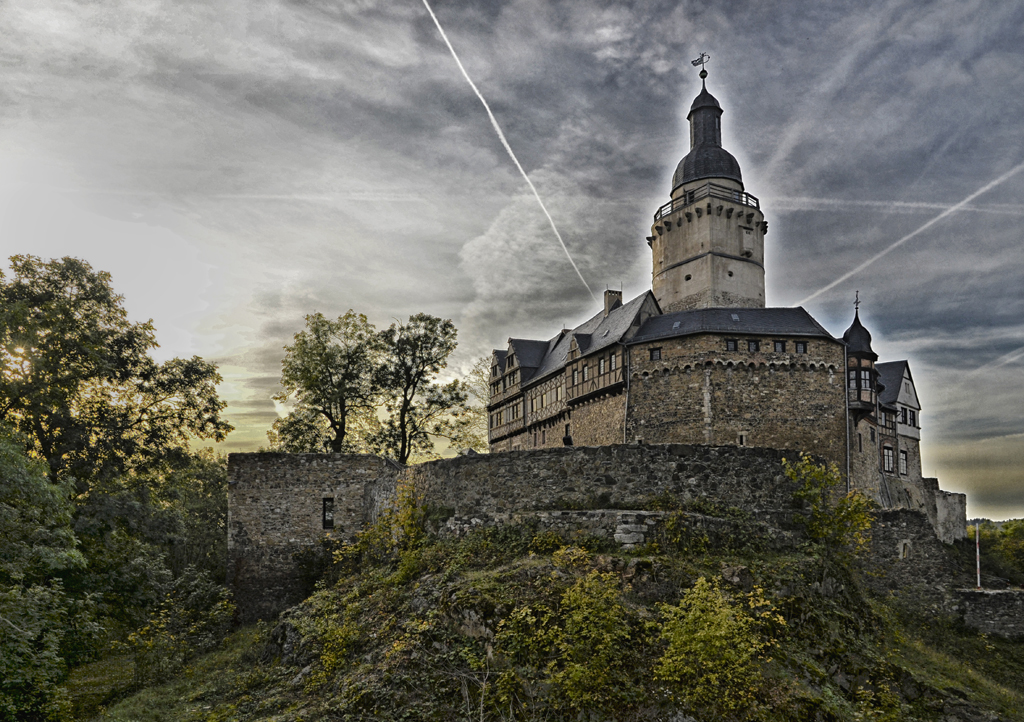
x: 517, y: 623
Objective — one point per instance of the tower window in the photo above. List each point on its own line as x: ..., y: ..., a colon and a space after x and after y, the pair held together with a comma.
x: 903, y: 462
x: 872, y: 436
x: 887, y: 458
x: 730, y: 274
x: 328, y: 517
x: 860, y: 442
x: 600, y: 366
x: 753, y: 346
x: 913, y: 417
x: 903, y: 415
x: 780, y: 346
x: 575, y: 377
x: 586, y: 372
x: 612, y: 361
x: 731, y: 344
x: 801, y: 346
x: 655, y: 354
x: 688, y: 277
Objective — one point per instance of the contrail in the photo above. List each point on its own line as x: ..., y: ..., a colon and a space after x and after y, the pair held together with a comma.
x: 949, y: 211
x: 1001, y: 361
x: 804, y: 203
x: 508, y: 148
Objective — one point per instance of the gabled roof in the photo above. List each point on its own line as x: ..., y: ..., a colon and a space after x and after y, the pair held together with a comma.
x: 760, y: 321
x: 529, y: 353
x: 594, y: 334
x: 890, y: 377
x: 499, y: 356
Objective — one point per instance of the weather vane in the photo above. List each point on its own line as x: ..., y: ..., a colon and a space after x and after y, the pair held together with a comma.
x: 856, y: 302
x: 704, y: 57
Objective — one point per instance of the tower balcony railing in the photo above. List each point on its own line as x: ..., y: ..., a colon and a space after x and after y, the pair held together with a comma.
x: 708, y: 190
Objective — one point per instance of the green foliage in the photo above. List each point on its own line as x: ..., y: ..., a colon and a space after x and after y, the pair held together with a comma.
x: 716, y: 648
x: 576, y: 647
x: 838, y: 524
x: 77, y: 381
x: 418, y: 409
x: 193, y: 617
x: 330, y: 370
x: 35, y: 519
x: 37, y: 543
x: 32, y: 622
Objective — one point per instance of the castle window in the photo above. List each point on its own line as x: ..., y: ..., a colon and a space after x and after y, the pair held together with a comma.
x: 801, y: 346
x: 780, y: 346
x: 903, y: 462
x: 860, y: 442
x: 872, y: 436
x: 742, y: 440
x: 533, y: 404
x: 913, y: 417
x: 903, y: 415
x: 558, y: 393
x: 853, y: 380
x: 328, y: 513
x: 753, y: 346
x: 600, y: 366
x: 494, y: 370
x: 887, y: 458
x: 655, y: 354
x: 688, y: 277
x: 586, y: 372
x: 543, y: 436
x: 575, y: 377
x: 611, y: 361
x: 511, y: 360
x: 731, y: 344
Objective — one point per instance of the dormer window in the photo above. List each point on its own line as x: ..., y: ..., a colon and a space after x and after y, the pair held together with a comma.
x: 511, y: 360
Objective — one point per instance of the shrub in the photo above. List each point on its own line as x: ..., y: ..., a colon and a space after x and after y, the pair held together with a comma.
x: 194, y: 617
x: 715, y: 649
x: 838, y: 523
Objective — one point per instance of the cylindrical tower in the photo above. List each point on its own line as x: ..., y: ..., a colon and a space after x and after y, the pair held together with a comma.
x: 708, y: 241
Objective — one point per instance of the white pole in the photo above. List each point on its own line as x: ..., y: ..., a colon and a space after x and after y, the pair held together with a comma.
x: 977, y: 548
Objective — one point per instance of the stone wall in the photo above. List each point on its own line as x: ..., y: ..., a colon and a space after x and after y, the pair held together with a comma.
x: 906, y: 556
x: 697, y: 393
x: 599, y: 422
x: 591, y: 477
x: 276, y: 508
x: 994, y: 611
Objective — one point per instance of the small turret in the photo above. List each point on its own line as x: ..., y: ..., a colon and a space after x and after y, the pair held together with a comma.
x: 861, y: 375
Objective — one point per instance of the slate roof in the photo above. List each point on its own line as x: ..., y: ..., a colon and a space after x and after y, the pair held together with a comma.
x: 758, y: 321
x: 857, y: 338
x: 890, y: 375
x: 500, y: 355
x: 594, y: 334
x: 529, y: 355
x: 704, y: 99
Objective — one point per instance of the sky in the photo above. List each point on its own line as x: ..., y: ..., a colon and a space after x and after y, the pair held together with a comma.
x: 238, y: 164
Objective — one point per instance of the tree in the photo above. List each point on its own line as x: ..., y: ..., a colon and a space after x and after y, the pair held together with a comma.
x: 35, y: 526
x: 418, y: 409
x: 329, y: 371
x: 838, y: 522
x: 478, y: 386
x: 301, y: 431
x: 77, y: 381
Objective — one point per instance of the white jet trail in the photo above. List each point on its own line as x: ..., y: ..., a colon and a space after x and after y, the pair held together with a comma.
x: 508, y: 148
x: 949, y: 211
x: 999, y: 362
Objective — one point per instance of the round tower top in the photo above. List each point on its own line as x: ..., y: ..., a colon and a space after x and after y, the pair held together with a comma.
x: 707, y: 158
x: 858, y: 339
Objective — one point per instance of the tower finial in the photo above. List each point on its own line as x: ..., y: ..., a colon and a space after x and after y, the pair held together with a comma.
x: 856, y: 302
x: 704, y: 57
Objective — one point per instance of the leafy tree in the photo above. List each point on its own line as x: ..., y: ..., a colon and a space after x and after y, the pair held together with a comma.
x: 77, y: 381
x: 329, y: 371
x: 35, y: 526
x: 478, y: 387
x: 418, y: 409
x: 838, y: 522
x: 303, y: 430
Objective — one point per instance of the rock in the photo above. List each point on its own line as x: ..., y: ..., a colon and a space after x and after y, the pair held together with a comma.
x: 738, y: 576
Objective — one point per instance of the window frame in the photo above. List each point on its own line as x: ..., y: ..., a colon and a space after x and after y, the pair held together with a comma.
x: 753, y: 345
x: 903, y: 462
x: 779, y: 346
x: 732, y: 344
x: 888, y: 460
x: 655, y: 354
x: 800, y: 346
x: 327, y: 514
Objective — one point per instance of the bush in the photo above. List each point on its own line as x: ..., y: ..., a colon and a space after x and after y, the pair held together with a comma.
x: 716, y: 648
x: 194, y: 617
x: 838, y: 523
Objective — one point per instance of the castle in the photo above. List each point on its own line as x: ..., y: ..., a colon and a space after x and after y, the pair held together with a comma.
x: 699, y: 359
x: 692, y: 391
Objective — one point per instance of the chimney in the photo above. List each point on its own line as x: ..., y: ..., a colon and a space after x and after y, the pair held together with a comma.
x: 612, y: 300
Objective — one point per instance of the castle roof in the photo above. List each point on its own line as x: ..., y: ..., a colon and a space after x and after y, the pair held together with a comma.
x: 594, y: 334
x: 760, y: 321
x: 707, y: 158
x: 890, y: 378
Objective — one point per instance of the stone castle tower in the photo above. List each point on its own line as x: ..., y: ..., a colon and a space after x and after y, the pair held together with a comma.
x: 708, y: 241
